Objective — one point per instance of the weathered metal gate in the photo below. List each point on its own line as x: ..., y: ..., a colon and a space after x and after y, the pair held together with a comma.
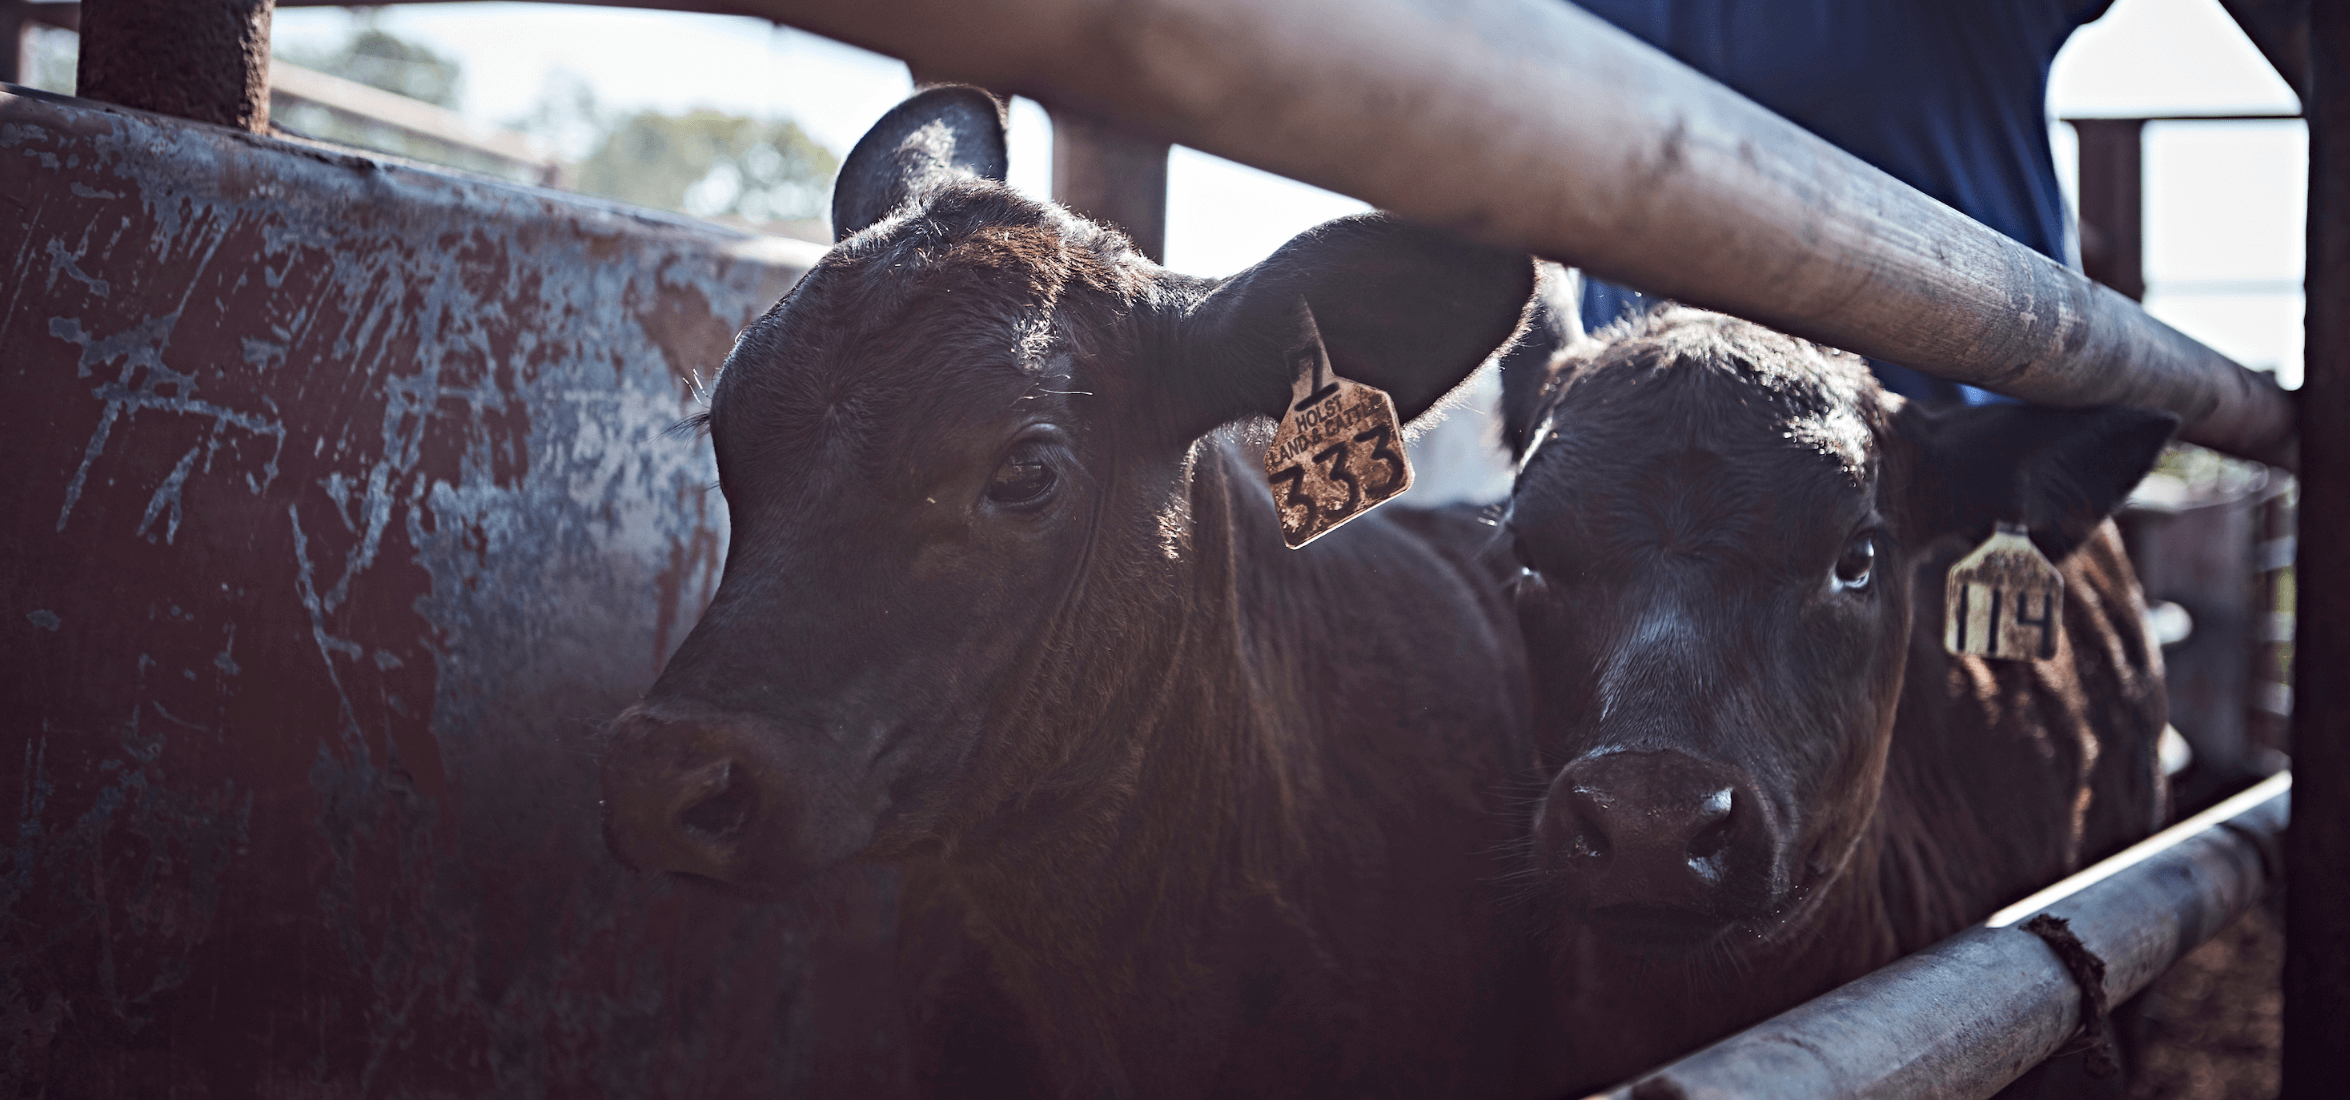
x: 307, y: 665
x: 340, y: 512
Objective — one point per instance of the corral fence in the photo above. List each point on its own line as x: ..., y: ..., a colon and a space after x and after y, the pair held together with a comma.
x: 2213, y: 547
x: 1522, y: 122
x: 1536, y: 125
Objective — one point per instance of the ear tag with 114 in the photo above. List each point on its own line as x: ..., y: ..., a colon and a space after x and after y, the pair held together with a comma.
x: 2003, y: 600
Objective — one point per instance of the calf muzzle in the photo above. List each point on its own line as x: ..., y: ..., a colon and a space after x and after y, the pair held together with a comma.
x: 1655, y: 846
x: 715, y: 797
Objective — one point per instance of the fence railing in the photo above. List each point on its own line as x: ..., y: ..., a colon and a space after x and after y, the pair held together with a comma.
x: 1532, y: 124
x: 1966, y: 1016
x: 1537, y: 125
x: 433, y: 124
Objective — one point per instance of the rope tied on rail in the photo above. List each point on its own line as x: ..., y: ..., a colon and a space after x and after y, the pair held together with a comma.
x: 2088, y: 972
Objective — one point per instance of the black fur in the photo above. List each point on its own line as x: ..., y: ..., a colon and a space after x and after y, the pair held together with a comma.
x: 932, y: 138
x: 1406, y: 309
x: 1179, y: 811
x: 2059, y: 472
x: 1693, y: 493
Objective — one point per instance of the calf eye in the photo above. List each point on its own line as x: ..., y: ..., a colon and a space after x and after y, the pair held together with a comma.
x: 1024, y: 480
x: 1854, y: 565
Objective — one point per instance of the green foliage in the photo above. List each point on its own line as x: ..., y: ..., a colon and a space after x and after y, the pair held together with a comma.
x: 710, y: 164
x: 370, y: 55
x: 703, y: 162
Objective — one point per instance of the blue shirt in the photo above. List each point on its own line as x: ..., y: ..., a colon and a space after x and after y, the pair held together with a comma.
x: 1948, y: 96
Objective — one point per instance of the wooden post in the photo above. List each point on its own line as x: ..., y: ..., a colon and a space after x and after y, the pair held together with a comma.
x: 2317, y: 847
x: 1111, y: 176
x: 12, y: 31
x: 206, y: 60
x: 2113, y: 220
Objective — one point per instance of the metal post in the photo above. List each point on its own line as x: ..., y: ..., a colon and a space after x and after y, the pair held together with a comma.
x: 2113, y: 221
x: 2317, y: 847
x: 206, y: 60
x: 1112, y: 176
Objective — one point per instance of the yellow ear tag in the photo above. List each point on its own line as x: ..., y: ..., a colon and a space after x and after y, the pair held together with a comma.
x: 2004, y: 601
x: 1338, y: 452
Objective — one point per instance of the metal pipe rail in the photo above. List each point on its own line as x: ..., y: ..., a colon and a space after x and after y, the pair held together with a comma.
x: 414, y: 117
x: 1533, y: 124
x: 1966, y: 1016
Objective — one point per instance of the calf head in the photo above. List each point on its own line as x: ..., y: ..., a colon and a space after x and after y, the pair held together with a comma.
x: 959, y: 458
x: 1720, y: 531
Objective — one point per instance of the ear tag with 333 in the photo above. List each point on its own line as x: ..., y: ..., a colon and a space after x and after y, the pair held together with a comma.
x: 1338, y: 452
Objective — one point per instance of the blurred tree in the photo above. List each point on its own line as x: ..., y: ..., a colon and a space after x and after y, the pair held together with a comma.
x: 381, y: 59
x: 705, y: 163
x: 566, y: 117
x: 711, y: 165
x: 370, y: 55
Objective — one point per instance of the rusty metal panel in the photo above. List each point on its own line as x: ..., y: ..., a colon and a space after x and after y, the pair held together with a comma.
x: 340, y: 513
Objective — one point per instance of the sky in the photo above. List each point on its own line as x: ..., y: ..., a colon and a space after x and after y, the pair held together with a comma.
x: 1221, y: 216
x: 2224, y: 202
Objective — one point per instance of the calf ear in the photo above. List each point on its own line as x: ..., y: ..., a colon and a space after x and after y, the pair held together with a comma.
x: 1555, y: 323
x: 1404, y: 308
x: 935, y: 136
x: 2059, y: 472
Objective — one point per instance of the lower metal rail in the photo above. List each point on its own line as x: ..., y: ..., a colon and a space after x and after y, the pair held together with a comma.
x: 1966, y: 1016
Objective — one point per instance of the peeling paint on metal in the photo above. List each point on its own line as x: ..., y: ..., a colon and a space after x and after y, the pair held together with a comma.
x: 354, y: 514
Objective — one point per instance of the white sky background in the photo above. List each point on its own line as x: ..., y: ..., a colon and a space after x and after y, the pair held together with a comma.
x: 1221, y: 216
x: 2224, y: 202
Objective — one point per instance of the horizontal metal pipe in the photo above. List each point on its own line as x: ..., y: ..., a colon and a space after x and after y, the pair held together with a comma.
x: 1964, y: 1017
x: 1533, y: 124
x: 411, y: 116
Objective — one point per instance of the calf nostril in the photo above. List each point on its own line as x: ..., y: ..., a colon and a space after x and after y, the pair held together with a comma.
x: 1710, y: 843
x: 1590, y: 837
x: 1714, y: 820
x: 723, y: 815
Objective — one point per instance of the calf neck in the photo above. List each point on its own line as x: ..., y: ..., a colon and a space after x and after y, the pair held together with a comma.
x: 1180, y: 810
x: 1766, y: 774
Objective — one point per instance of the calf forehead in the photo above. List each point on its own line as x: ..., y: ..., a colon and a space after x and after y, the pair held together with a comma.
x: 907, y: 336
x: 1686, y: 375
x: 1703, y: 434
